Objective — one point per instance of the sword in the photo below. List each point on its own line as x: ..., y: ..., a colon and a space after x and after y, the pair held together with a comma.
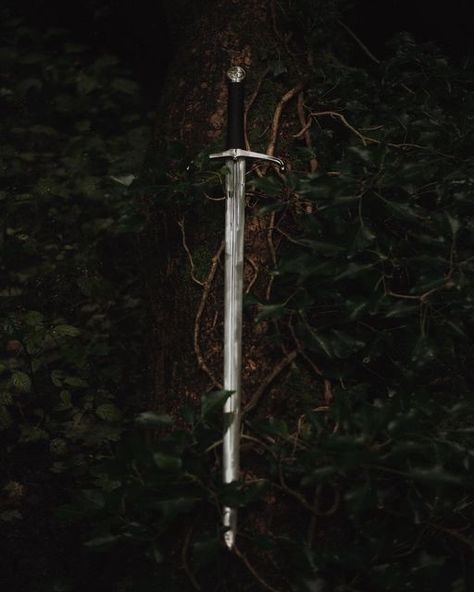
x: 235, y: 157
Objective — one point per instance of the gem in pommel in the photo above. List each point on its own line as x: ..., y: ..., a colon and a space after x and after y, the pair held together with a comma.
x: 236, y: 74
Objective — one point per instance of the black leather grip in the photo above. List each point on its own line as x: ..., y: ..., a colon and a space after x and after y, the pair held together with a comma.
x: 235, y: 115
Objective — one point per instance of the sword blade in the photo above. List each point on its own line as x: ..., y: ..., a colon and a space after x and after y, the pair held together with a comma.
x: 233, y: 290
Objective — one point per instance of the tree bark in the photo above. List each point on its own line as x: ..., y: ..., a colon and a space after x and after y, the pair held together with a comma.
x: 188, y: 318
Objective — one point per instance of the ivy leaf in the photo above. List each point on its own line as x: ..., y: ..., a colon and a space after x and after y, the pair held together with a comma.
x: 21, y: 381
x: 212, y: 401
x: 270, y: 311
x: 109, y: 412
x: 10, y: 515
x: 167, y: 462
x: 277, y: 67
x: 102, y: 543
x: 124, y: 85
x: 66, y: 331
x: 126, y: 180
x: 436, y: 474
x: 206, y: 551
x: 171, y: 508
x: 157, y: 554
x: 149, y: 418
x: 76, y: 382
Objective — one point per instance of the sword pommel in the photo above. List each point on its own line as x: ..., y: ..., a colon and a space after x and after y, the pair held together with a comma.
x: 236, y: 74
x: 235, y: 108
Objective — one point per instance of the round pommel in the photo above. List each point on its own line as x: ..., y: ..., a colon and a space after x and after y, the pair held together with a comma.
x: 236, y: 74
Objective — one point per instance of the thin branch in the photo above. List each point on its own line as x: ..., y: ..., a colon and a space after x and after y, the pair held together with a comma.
x: 362, y: 45
x: 271, y: 248
x: 184, y: 560
x: 340, y: 116
x: 454, y: 534
x: 255, y: 276
x: 253, y: 571
x: 303, y: 501
x: 260, y: 443
x: 277, y: 115
x: 188, y: 253
x: 250, y: 103
x: 421, y: 297
x: 268, y: 380
x: 199, y: 313
x: 301, y: 351
x: 282, y: 39
x: 366, y: 139
x: 313, y: 163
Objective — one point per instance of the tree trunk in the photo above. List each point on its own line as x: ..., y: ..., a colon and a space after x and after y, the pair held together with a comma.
x: 187, y: 240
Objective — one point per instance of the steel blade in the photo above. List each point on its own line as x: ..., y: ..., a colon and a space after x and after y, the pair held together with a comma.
x: 233, y: 290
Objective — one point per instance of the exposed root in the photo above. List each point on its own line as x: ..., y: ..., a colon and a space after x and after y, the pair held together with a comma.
x: 313, y: 163
x: 275, y: 126
x: 255, y: 275
x: 188, y: 253
x: 286, y: 361
x: 197, y: 323
x: 271, y: 248
x: 250, y: 103
x: 277, y: 115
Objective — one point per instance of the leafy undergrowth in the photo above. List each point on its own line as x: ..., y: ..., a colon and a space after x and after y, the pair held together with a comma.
x: 370, y: 487
x: 73, y: 137
x: 366, y: 489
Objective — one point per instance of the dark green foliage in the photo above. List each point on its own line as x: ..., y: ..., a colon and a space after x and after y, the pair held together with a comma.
x: 73, y: 138
x: 71, y: 144
x: 374, y: 286
x: 367, y: 490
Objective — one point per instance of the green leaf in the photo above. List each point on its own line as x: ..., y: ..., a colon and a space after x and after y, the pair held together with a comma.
x: 211, y: 402
x: 436, y: 474
x: 273, y: 426
x: 171, y: 508
x: 32, y: 434
x: 206, y: 551
x: 124, y: 85
x: 33, y: 318
x: 109, y: 412
x: 167, y: 462
x: 102, y: 543
x: 149, y: 418
x: 86, y: 84
x: 363, y: 153
x: 66, y: 331
x: 29, y: 84
x: 157, y: 554
x: 21, y: 381
x: 126, y: 180
x: 270, y: 311
x: 10, y: 516
x: 277, y: 67
x: 454, y: 223
x: 75, y: 382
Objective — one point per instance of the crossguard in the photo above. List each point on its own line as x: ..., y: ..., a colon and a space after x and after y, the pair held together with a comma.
x: 236, y: 153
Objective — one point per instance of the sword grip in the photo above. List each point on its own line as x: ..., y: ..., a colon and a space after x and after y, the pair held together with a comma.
x: 235, y: 108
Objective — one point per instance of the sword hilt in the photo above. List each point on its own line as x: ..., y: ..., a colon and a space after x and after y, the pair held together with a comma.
x: 236, y: 153
x: 235, y: 108
x: 235, y: 143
